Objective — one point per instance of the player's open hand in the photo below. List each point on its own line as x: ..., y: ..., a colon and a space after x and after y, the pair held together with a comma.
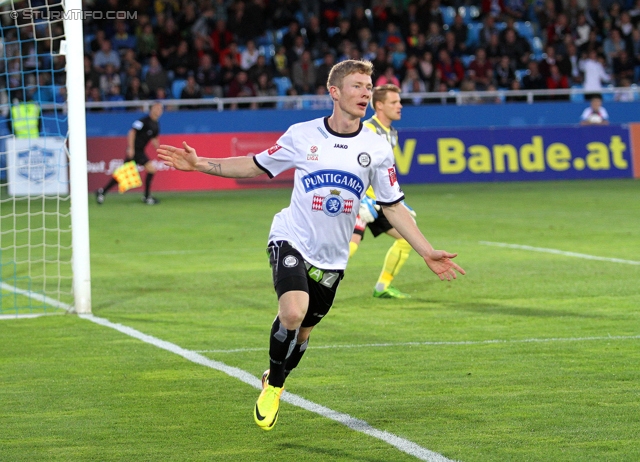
x: 184, y: 158
x: 440, y: 263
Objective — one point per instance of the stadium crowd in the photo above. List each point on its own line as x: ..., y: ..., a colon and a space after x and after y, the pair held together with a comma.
x: 194, y: 49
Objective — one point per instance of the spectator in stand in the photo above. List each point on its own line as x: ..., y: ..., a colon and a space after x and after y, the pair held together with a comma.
x: 280, y: 63
x: 182, y: 61
x: 322, y: 73
x: 548, y: 60
x: 517, y: 50
x: 504, y: 73
x: 581, y: 30
x: 557, y: 31
x: 168, y: 40
x: 191, y: 91
x: 398, y: 55
x: 391, y: 36
x: 557, y: 81
x: 411, y: 36
x: 239, y: 87
x: 233, y: 52
x: 96, y: 44
x: 451, y: 46
x: 317, y: 37
x: 515, y: 86
x: 634, y: 45
x: 594, y: 72
x: 435, y: 38
x: 634, y: 13
x: 136, y: 90
x: 156, y: 76
x: 460, y: 33
x: 625, y: 94
x: 228, y: 72
x: 427, y: 70
x: 623, y: 68
x: 533, y: 80
x: 94, y: 97
x: 358, y: 19
x: 407, y: 17
x: 265, y: 87
x: 114, y: 95
x: 516, y: 9
x: 595, y: 114
x: 105, y: 56
x: 260, y: 67
x: 293, y: 31
x: 595, y: 15
x: 208, y: 78
x: 109, y: 79
x: 431, y: 12
x: 91, y: 75
x: 488, y: 29
x: 612, y: 46
x: 493, y: 8
x: 381, y: 61
x: 480, y: 70
x: 413, y: 84
x: 122, y: 40
x: 295, y: 52
x: 147, y: 43
x: 569, y: 66
x: 365, y: 40
x: 161, y: 94
x: 249, y: 56
x: 388, y: 77
x: 245, y: 20
x: 494, y: 50
x: 303, y: 74
x: 451, y: 71
x: 345, y: 33
x: 323, y: 103
x: 220, y: 37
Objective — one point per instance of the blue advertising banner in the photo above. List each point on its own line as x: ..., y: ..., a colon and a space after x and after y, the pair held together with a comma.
x: 514, y: 154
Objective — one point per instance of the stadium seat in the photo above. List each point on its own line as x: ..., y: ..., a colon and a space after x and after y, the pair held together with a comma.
x: 466, y: 60
x: 524, y: 29
x: 469, y: 14
x: 177, y: 87
x: 448, y: 13
x: 473, y: 36
x: 536, y: 48
x: 268, y: 51
x: 520, y: 73
x: 283, y: 84
x: 576, y: 96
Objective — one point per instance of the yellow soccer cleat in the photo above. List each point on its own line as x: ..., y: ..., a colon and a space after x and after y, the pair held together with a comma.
x: 265, y: 379
x: 266, y: 410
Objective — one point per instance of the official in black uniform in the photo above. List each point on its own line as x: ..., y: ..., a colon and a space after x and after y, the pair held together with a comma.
x: 142, y: 131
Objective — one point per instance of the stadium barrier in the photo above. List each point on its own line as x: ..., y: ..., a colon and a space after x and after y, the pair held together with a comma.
x: 427, y: 156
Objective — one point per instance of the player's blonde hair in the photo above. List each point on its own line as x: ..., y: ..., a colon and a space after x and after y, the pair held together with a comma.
x: 380, y: 93
x: 345, y: 68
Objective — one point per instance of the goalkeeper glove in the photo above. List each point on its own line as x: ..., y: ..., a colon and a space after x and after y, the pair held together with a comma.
x: 411, y: 211
x: 368, y: 210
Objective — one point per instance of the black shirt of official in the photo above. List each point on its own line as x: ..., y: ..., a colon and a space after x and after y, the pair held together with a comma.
x: 149, y: 129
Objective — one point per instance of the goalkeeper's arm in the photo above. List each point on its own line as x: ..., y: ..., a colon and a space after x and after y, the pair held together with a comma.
x: 186, y: 159
x: 368, y: 211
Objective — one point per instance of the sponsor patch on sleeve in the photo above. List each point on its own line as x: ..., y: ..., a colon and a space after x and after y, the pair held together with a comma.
x: 393, y: 179
x: 274, y: 148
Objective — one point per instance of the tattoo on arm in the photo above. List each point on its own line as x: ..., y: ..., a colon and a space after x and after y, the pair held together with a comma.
x: 215, y: 168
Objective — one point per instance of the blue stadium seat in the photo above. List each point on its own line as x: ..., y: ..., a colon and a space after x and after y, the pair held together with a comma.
x: 536, y: 48
x: 576, y: 96
x: 608, y: 96
x: 143, y: 72
x: 473, y: 35
x: 466, y: 60
x: 448, y: 13
x: 177, y: 86
x: 469, y: 13
x: 520, y: 73
x: 283, y: 84
x: 524, y: 29
x: 268, y: 51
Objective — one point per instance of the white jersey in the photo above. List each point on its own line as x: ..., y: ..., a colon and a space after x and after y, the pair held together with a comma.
x: 333, y: 171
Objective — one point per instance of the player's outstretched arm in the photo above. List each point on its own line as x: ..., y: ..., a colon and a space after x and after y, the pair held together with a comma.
x: 186, y: 159
x: 439, y: 261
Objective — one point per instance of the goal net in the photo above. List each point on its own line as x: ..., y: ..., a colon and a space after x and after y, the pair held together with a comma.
x: 43, y: 191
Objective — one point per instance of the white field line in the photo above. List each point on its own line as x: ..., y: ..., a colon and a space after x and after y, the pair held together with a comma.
x: 355, y: 424
x: 470, y: 342
x: 36, y: 296
x: 559, y: 252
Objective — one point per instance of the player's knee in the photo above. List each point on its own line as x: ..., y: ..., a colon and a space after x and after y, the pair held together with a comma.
x: 293, y: 308
x: 403, y: 245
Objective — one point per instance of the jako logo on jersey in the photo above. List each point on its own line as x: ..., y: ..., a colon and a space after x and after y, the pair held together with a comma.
x: 340, y: 146
x: 392, y: 175
x: 274, y: 148
x: 327, y: 178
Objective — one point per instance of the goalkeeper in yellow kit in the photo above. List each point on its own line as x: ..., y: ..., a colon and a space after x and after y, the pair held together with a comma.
x: 386, y: 103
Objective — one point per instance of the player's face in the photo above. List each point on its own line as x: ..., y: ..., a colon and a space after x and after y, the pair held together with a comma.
x: 391, y: 107
x: 355, y: 94
x: 156, y: 111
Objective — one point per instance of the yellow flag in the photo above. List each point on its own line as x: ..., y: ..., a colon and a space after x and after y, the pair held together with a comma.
x: 127, y: 176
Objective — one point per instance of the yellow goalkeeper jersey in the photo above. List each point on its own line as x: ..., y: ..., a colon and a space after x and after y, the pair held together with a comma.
x: 390, y: 134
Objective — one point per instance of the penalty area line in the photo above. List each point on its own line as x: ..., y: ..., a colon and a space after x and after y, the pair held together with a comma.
x: 558, y: 252
x: 358, y: 425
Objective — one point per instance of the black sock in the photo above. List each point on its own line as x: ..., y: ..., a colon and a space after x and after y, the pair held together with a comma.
x: 295, y: 357
x: 147, y: 188
x: 109, y: 185
x: 281, y: 344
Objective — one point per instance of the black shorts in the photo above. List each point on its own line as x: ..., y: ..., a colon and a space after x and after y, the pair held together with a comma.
x: 140, y: 157
x: 378, y: 226
x: 291, y: 272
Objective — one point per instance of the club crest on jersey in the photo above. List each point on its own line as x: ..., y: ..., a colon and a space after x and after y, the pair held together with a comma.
x: 290, y: 261
x: 333, y: 178
x: 332, y: 205
x: 364, y: 159
x: 274, y: 148
x: 313, y: 153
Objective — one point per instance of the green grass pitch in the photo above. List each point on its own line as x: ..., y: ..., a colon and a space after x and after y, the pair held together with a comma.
x: 531, y: 356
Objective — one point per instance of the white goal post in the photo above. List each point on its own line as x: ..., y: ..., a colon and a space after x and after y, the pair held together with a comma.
x: 44, y: 219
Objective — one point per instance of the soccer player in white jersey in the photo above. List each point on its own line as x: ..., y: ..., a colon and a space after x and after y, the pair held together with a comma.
x: 335, y: 161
